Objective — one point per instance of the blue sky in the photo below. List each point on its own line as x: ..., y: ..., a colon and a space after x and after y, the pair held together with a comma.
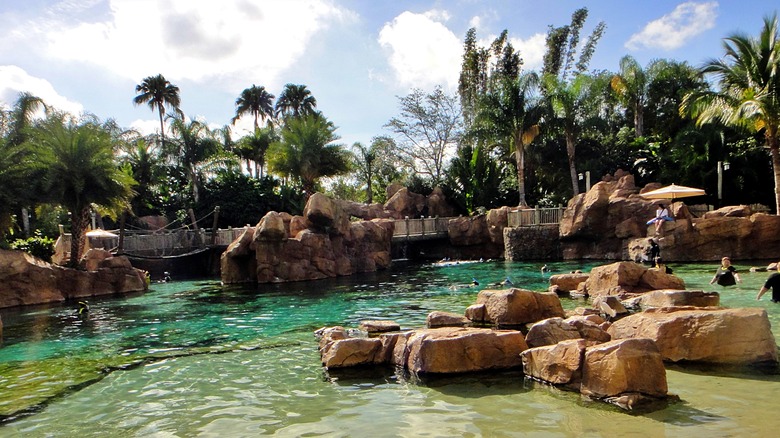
x: 356, y: 56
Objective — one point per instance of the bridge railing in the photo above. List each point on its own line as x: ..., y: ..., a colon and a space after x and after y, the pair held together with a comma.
x: 534, y: 216
x: 431, y: 226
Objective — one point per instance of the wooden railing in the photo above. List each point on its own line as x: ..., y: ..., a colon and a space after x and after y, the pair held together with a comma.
x: 534, y: 216
x: 431, y: 227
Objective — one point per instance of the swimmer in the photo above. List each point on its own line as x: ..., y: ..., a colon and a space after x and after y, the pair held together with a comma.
x: 545, y: 269
x: 83, y: 308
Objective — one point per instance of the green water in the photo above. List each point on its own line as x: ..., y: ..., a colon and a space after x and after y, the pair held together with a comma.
x: 197, y: 359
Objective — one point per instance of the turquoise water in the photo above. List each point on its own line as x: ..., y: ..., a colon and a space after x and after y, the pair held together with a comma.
x: 267, y: 379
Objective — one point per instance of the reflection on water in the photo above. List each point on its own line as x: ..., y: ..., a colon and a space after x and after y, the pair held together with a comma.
x: 281, y: 389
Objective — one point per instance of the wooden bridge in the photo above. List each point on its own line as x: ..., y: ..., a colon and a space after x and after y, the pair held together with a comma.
x: 164, y: 243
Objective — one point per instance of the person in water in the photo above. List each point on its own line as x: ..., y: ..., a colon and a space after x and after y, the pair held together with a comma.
x: 773, y: 282
x: 661, y: 266
x: 83, y: 307
x: 726, y: 275
x: 654, y: 251
x: 545, y: 269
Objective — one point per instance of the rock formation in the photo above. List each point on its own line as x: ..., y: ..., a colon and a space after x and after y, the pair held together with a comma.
x: 713, y: 335
x: 514, y: 307
x: 322, y: 243
x: 625, y: 279
x: 26, y: 280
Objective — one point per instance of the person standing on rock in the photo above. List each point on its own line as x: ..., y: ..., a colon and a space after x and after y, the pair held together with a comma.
x: 726, y: 275
x: 773, y: 282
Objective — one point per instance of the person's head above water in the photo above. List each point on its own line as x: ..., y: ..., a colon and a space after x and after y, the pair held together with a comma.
x: 725, y: 261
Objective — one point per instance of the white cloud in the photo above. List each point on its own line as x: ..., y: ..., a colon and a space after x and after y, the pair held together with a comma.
x: 673, y: 30
x: 14, y: 80
x: 422, y: 52
x: 235, y: 42
x: 531, y: 50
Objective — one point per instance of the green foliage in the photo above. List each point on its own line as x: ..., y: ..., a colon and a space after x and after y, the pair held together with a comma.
x: 38, y: 245
x: 474, y: 179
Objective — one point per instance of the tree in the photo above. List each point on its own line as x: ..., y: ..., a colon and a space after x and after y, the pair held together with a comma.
x: 573, y: 106
x: 631, y: 85
x: 158, y: 93
x: 749, y: 94
x: 196, y: 150
x: 143, y: 158
x: 80, y: 170
x: 364, y: 163
x: 295, y: 101
x: 256, y: 101
x: 254, y: 146
x: 562, y: 43
x: 428, y: 128
x: 507, y: 117
x: 306, y: 152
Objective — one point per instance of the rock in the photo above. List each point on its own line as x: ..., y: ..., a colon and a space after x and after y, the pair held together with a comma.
x: 93, y: 257
x: 589, y: 328
x: 623, y: 366
x: 567, y: 282
x: 625, y: 278
x: 460, y: 350
x: 26, y: 280
x: 550, y: 332
x: 279, y: 249
x: 378, y: 326
x: 445, y: 319
x: 405, y: 203
x: 351, y: 352
x: 438, y: 205
x: 609, y: 305
x: 559, y: 364
x: 672, y: 298
x: 713, y: 335
x: 514, y: 307
x: 729, y: 211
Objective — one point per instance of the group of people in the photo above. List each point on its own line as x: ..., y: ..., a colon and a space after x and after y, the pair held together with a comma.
x: 726, y: 274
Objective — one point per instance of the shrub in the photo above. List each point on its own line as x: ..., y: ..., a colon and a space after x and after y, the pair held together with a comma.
x: 37, y: 245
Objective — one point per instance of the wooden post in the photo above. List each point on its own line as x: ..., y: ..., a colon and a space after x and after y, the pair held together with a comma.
x: 121, y: 245
x: 195, y: 227
x: 214, y: 227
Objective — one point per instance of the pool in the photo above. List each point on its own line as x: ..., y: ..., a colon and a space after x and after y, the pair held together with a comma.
x: 197, y: 359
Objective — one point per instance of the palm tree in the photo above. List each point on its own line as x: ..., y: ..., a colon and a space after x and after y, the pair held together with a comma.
x: 507, y: 117
x: 364, y: 163
x: 158, y: 93
x: 80, y: 170
x: 572, y: 107
x: 256, y: 101
x: 196, y: 150
x: 253, y: 147
x: 749, y: 95
x: 295, y: 101
x: 631, y: 85
x: 306, y: 152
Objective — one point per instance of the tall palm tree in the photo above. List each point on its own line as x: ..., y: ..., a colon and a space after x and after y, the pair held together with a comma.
x: 197, y: 150
x: 158, y: 93
x: 507, y: 117
x: 306, y: 152
x: 631, y: 85
x: 80, y: 170
x: 364, y: 163
x: 295, y: 101
x: 256, y: 101
x: 749, y: 95
x: 573, y: 106
x: 254, y: 146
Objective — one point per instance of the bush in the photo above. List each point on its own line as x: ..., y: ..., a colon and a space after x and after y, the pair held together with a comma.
x: 37, y: 245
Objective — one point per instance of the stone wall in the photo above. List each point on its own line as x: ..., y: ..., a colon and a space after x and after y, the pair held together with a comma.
x: 532, y: 243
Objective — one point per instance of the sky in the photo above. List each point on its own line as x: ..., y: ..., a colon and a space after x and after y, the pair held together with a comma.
x: 357, y: 57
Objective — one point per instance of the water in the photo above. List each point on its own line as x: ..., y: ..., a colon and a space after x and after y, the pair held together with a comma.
x: 197, y: 359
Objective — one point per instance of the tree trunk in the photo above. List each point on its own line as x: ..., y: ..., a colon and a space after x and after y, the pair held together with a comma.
x: 570, y: 150
x: 78, y: 219
x: 639, y: 119
x: 520, y: 158
x: 772, y: 143
x: 162, y: 131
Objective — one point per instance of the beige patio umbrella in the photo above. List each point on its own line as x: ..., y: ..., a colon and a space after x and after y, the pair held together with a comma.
x: 673, y: 192
x: 100, y: 233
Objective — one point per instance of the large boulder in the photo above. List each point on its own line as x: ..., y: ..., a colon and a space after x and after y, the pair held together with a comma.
x: 567, y: 282
x: 514, y: 307
x: 623, y: 366
x: 626, y: 278
x: 321, y: 244
x: 559, y: 364
x: 460, y: 350
x: 554, y: 330
x: 26, y: 280
x: 677, y: 298
x: 714, y: 335
x: 405, y: 203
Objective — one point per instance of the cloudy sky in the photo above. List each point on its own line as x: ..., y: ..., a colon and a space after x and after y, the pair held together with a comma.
x: 356, y: 56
